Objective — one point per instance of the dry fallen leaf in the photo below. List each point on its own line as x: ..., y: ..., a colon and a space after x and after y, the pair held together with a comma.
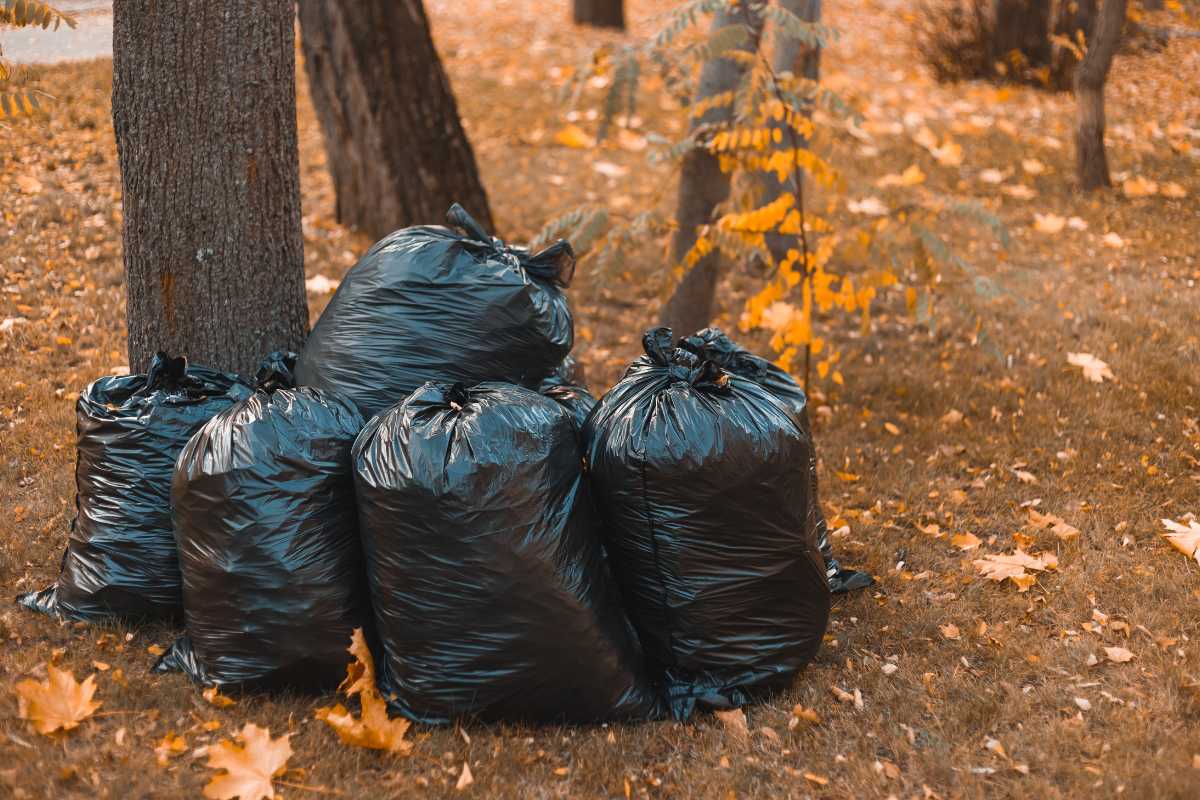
x: 169, y: 747
x: 372, y: 729
x: 574, y: 136
x: 802, y: 714
x: 819, y: 780
x: 213, y: 695
x: 910, y: 177
x: 734, y: 720
x: 1002, y: 566
x: 965, y: 541
x: 60, y: 702
x: 1093, y: 368
x: 1173, y: 190
x: 1033, y: 166
x: 1139, y: 187
x: 1058, y: 526
x: 1048, y: 223
x: 950, y: 631
x: 319, y: 284
x: 991, y: 176
x: 1019, y: 191
x: 1113, y: 239
x: 952, y: 417
x: 465, y: 778
x: 868, y: 206
x: 1184, y: 538
x: 1118, y: 655
x: 249, y: 769
x: 29, y: 184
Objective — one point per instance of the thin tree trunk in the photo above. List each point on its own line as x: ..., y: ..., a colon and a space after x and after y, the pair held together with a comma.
x: 204, y: 109
x: 789, y: 54
x: 702, y: 187
x: 395, y: 143
x: 1090, y: 77
x: 601, y: 13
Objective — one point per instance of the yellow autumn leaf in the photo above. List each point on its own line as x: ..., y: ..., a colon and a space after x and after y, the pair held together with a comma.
x: 169, y: 747
x: 59, y: 702
x: 1139, y: 187
x: 1058, y: 526
x: 574, y: 136
x: 1093, y: 368
x: 1173, y: 190
x: 1011, y: 566
x: 965, y: 541
x: 250, y: 768
x: 910, y: 177
x: 1048, y: 223
x: 213, y: 695
x: 950, y: 154
x: 372, y: 729
x: 1184, y: 537
x: 1113, y: 239
x: 734, y: 722
x: 1118, y: 655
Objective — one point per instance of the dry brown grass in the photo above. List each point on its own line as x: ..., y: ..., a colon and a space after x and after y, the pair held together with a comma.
x: 1014, y: 681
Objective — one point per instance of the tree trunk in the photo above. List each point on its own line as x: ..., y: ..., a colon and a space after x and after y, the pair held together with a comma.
x: 204, y: 109
x: 395, y: 144
x: 1090, y: 77
x: 601, y: 13
x: 702, y: 187
x: 789, y: 54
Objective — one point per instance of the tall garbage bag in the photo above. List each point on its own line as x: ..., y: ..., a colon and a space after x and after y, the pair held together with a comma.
x: 434, y: 303
x: 491, y: 591
x: 120, y: 558
x: 265, y: 518
x: 713, y: 344
x: 695, y: 472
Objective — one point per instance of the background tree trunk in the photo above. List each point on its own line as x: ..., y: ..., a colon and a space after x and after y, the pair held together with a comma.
x: 1022, y: 26
x: 702, y: 187
x: 1090, y: 77
x: 601, y: 13
x: 204, y: 108
x: 395, y: 143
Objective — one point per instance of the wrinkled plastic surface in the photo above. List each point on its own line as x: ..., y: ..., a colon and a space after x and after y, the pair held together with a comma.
x: 713, y: 344
x: 268, y: 541
x: 120, y: 558
x: 430, y: 303
x: 694, y: 470
x: 565, y: 387
x: 491, y: 592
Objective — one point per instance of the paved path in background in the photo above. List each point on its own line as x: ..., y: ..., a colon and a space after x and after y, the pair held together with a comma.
x: 92, y: 38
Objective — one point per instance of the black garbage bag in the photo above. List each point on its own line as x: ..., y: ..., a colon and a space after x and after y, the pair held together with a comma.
x: 713, y: 344
x: 265, y: 519
x: 430, y: 303
x: 565, y: 387
x: 491, y: 592
x: 695, y: 473
x: 120, y: 558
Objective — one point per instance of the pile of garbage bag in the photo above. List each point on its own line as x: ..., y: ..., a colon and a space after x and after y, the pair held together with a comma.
x: 120, y: 560
x: 267, y: 531
x: 433, y: 469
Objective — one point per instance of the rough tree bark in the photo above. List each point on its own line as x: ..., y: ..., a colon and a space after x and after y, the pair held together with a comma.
x: 601, y: 13
x: 204, y: 109
x: 394, y: 141
x: 702, y: 187
x: 1090, y: 77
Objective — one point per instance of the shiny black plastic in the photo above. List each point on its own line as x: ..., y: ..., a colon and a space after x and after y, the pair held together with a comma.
x: 695, y: 473
x: 492, y: 596
x: 120, y: 558
x: 265, y: 519
x: 713, y: 344
x: 565, y: 387
x: 430, y: 303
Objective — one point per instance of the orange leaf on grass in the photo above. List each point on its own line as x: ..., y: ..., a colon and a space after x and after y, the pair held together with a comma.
x: 372, y: 729
x: 59, y: 702
x: 249, y: 769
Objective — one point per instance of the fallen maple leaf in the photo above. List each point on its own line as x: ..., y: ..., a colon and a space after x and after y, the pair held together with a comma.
x: 950, y: 154
x: 249, y: 770
x: 1093, y: 368
x: 169, y: 747
x: 1173, y: 190
x: 29, y: 184
x: 910, y: 177
x: 734, y: 720
x: 1184, y: 538
x: 1118, y: 655
x: 1005, y: 566
x: 60, y: 702
x: 372, y: 729
x: 213, y: 695
x: 1048, y: 223
x: 950, y: 631
x: 1139, y: 187
x: 965, y: 541
x: 1057, y: 525
x: 574, y: 136
x: 1033, y: 166
x: 1019, y: 191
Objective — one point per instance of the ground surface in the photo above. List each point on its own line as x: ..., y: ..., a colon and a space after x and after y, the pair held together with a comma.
x: 992, y: 694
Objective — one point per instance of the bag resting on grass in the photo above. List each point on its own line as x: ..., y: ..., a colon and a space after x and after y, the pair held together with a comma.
x: 695, y: 472
x: 120, y: 558
x: 268, y: 541
x: 712, y: 344
x: 430, y: 303
x: 491, y: 592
